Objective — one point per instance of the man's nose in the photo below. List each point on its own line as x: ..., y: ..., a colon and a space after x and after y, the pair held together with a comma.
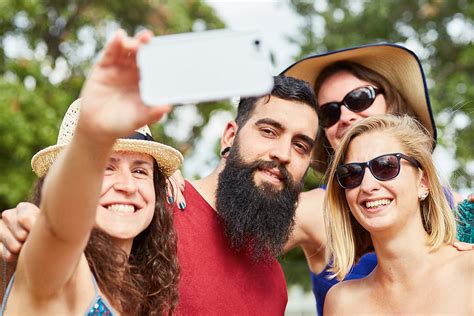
x: 281, y: 152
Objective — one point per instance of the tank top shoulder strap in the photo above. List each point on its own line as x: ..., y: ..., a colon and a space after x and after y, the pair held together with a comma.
x: 99, y: 306
x: 5, y: 296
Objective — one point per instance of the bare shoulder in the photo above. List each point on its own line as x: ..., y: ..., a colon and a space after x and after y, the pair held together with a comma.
x: 311, y: 204
x: 309, y: 221
x: 459, y: 265
x: 342, y: 298
x: 310, y: 214
x: 313, y: 195
x: 464, y: 262
x: 455, y: 275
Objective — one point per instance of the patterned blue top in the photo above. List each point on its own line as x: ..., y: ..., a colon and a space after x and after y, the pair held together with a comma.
x: 465, y: 217
x: 99, y: 307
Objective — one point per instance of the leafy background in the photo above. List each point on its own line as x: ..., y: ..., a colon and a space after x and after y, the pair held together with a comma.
x: 47, y: 48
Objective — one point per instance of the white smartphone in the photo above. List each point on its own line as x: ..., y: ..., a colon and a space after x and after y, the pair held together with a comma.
x: 203, y: 66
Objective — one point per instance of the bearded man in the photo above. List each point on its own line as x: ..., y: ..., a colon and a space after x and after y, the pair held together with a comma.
x: 238, y: 219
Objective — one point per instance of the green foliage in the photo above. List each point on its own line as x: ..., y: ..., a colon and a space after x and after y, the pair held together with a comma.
x: 447, y: 59
x: 296, y: 269
x: 56, y: 43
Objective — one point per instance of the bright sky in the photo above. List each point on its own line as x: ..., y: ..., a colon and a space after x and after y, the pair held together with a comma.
x: 273, y: 19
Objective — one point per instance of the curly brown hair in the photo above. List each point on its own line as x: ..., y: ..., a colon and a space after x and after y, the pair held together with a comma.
x: 148, y: 284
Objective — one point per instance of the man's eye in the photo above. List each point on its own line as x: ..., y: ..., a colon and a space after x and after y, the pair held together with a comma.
x: 301, y: 148
x: 268, y: 132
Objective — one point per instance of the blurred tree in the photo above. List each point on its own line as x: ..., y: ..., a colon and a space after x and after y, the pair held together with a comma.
x: 442, y: 34
x: 46, y: 49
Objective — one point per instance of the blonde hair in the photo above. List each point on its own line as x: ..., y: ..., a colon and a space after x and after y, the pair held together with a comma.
x: 347, y: 239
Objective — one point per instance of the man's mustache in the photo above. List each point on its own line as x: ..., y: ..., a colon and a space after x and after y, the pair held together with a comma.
x: 263, y: 164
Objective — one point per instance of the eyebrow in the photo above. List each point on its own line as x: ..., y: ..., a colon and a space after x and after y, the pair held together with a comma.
x: 305, y: 138
x: 135, y: 162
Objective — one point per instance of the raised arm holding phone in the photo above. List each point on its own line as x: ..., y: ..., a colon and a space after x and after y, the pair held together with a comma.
x: 95, y: 246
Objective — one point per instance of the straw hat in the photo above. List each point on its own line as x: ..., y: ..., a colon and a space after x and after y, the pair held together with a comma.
x: 167, y: 158
x: 399, y: 65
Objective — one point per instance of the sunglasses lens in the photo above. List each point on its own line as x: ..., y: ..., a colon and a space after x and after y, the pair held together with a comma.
x: 385, y: 167
x: 349, y: 176
x: 360, y: 99
x: 330, y: 114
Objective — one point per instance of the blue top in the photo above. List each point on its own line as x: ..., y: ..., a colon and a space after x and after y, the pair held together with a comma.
x: 322, y: 281
x: 98, y: 307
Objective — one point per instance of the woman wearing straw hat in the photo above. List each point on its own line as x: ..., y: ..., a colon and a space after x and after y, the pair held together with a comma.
x: 388, y: 197
x: 104, y: 242
x: 352, y: 84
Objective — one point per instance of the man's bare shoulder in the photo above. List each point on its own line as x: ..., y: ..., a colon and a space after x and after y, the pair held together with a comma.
x: 316, y: 193
x: 309, y: 221
x: 311, y: 202
x: 310, y: 212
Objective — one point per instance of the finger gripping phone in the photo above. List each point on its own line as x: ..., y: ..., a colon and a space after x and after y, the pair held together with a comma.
x: 203, y: 66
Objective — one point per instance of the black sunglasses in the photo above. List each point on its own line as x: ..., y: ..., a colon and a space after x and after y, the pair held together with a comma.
x: 383, y: 168
x: 357, y: 100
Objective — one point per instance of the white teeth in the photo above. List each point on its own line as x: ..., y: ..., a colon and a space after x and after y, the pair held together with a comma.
x: 272, y: 174
x: 121, y: 208
x: 373, y: 204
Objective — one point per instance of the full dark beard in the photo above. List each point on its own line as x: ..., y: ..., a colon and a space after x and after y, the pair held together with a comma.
x: 257, y: 219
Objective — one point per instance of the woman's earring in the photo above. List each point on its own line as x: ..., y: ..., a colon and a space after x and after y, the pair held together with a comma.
x: 423, y: 196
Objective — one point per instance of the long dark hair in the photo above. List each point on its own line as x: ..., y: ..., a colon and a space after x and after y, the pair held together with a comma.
x: 396, y: 104
x: 148, y: 284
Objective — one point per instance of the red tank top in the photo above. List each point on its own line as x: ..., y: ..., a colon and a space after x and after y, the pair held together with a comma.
x: 214, y: 278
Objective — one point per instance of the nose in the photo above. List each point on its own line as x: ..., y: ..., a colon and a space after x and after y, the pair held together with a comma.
x: 369, y: 184
x: 347, y: 116
x: 281, y: 152
x: 125, y: 182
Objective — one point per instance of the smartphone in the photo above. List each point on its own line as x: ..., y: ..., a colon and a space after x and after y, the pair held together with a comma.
x: 203, y: 66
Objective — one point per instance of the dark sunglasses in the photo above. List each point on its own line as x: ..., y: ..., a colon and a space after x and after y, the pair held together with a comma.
x: 383, y: 168
x: 357, y: 100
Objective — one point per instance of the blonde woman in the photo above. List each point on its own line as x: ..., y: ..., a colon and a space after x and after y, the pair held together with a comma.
x: 387, y: 197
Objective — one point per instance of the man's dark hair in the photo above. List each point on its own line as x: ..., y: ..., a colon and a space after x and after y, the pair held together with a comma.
x: 286, y: 88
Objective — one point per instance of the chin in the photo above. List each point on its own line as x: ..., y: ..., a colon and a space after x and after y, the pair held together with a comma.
x: 377, y: 224
x: 122, y: 235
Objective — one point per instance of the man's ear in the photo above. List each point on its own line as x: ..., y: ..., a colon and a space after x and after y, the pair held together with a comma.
x: 229, y: 134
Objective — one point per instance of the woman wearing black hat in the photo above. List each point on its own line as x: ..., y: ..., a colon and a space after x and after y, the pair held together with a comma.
x: 350, y: 85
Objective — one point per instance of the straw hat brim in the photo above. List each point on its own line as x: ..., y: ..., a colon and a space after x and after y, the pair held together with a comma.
x: 400, y: 66
x: 167, y: 158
